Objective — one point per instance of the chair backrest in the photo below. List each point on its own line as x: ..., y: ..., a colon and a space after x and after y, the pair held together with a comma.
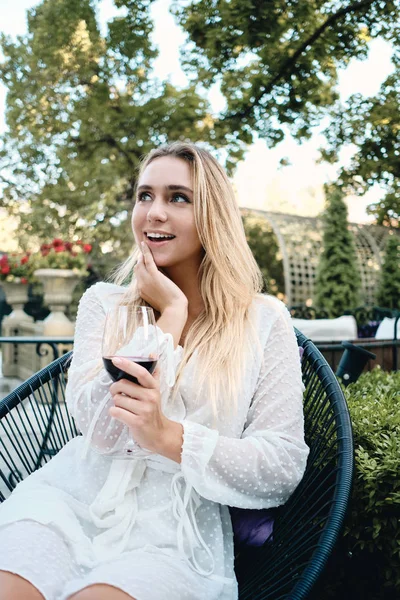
x: 308, y: 525
x: 35, y: 424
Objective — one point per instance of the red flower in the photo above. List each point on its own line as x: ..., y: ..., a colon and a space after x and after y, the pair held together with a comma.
x: 45, y: 247
x: 68, y: 246
x: 24, y: 260
x: 24, y: 280
x: 5, y: 270
x: 59, y: 248
x: 4, y: 260
x: 45, y: 252
x: 87, y: 248
x: 57, y: 242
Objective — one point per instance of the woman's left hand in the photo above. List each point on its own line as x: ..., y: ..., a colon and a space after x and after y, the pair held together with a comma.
x: 139, y: 407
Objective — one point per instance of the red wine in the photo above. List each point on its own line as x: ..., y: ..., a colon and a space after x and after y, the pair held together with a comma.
x: 117, y: 374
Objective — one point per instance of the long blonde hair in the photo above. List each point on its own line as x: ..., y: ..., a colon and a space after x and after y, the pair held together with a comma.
x: 229, y: 277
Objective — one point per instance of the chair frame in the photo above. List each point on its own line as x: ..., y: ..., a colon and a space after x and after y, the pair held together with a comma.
x: 270, y: 572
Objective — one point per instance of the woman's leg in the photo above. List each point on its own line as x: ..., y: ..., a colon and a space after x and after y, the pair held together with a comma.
x: 13, y: 586
x: 101, y: 592
x: 148, y: 575
x: 36, y: 559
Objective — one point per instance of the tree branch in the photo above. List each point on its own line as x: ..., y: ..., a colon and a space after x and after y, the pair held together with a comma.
x: 292, y: 60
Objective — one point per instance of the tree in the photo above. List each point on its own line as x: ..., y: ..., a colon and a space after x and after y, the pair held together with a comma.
x: 389, y: 286
x: 265, y: 249
x: 338, y: 281
x: 82, y: 110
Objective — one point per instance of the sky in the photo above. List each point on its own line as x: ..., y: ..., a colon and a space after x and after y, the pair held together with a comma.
x: 259, y: 181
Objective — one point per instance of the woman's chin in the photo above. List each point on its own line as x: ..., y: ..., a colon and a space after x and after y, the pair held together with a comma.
x: 161, y: 262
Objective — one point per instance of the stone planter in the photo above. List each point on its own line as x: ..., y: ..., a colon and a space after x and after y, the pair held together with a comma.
x: 16, y: 295
x: 58, y: 287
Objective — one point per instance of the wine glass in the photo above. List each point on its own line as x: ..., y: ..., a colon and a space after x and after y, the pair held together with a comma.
x: 130, y: 332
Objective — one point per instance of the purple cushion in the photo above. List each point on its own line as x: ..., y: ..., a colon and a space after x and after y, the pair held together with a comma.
x: 252, y: 527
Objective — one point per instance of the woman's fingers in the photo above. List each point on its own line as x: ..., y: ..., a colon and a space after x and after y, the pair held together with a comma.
x: 132, y: 405
x: 144, y: 378
x: 128, y: 388
x: 123, y: 416
x: 148, y: 257
x: 139, y: 264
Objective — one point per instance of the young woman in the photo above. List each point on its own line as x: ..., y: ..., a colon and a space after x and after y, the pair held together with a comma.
x: 221, y: 420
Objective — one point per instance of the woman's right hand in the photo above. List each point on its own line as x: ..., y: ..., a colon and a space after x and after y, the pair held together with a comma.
x: 155, y: 287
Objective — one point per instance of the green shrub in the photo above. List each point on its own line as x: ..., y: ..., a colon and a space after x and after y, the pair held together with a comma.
x: 265, y: 249
x: 367, y: 561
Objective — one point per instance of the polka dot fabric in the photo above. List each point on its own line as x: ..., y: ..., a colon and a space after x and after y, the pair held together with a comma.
x: 143, y: 523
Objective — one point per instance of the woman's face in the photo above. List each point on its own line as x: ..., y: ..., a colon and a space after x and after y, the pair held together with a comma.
x: 163, y: 215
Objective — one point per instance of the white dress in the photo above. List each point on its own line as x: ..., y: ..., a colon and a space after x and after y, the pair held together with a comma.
x: 145, y: 524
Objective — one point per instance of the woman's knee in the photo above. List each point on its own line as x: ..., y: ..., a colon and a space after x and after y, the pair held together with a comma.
x: 101, y: 591
x: 13, y: 586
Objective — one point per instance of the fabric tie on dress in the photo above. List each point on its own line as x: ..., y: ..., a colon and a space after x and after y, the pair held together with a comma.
x: 185, y: 502
x: 115, y: 510
x: 115, y: 507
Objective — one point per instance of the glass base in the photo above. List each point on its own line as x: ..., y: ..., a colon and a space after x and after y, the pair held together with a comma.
x: 133, y: 450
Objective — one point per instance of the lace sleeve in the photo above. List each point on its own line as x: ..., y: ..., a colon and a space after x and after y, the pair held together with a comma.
x: 264, y: 466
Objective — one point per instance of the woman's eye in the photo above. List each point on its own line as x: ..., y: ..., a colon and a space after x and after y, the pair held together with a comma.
x: 144, y: 197
x: 179, y: 198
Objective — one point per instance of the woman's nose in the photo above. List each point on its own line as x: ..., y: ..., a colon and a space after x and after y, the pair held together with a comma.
x: 157, y: 211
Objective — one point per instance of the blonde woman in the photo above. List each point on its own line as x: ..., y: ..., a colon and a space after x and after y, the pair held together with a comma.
x: 221, y: 420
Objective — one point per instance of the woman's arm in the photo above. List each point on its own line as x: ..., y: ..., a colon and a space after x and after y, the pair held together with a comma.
x: 162, y: 294
x: 263, y: 468
x: 87, y: 393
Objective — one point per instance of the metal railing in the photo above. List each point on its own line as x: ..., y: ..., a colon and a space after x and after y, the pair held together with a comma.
x: 326, y: 348
x: 40, y: 341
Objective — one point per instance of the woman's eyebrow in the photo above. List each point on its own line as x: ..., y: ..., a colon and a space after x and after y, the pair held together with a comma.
x: 171, y: 187
x: 178, y: 187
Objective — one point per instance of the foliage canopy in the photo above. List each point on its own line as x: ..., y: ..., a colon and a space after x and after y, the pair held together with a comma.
x: 84, y: 106
x: 277, y: 63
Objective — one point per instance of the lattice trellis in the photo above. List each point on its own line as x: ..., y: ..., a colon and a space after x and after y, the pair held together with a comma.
x: 300, y: 242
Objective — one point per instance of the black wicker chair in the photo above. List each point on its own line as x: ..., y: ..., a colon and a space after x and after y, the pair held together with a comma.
x: 35, y: 424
